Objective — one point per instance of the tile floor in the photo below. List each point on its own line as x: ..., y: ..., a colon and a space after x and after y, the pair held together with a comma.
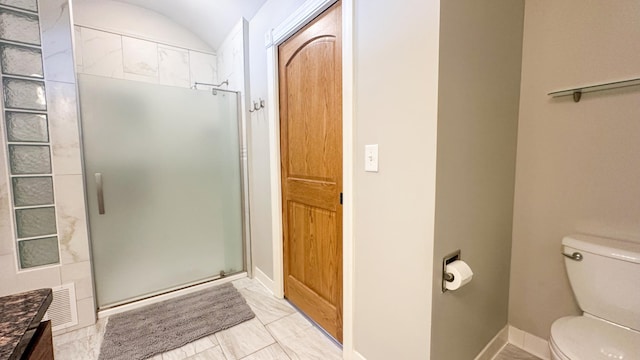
x: 278, y: 332
x: 510, y: 352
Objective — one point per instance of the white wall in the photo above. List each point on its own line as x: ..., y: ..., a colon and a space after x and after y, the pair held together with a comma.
x: 394, y: 209
x: 396, y: 97
x: 270, y: 15
x: 578, y: 164
x: 479, y: 87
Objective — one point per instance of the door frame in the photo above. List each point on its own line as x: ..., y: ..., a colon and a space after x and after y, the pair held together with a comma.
x: 296, y: 21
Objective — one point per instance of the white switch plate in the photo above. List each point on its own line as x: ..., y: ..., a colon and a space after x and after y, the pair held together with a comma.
x: 371, y: 158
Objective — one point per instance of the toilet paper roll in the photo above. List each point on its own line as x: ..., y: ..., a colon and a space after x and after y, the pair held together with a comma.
x: 462, y: 274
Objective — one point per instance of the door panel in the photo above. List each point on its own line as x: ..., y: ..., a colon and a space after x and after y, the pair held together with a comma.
x: 310, y: 124
x: 310, y: 75
x: 313, y: 262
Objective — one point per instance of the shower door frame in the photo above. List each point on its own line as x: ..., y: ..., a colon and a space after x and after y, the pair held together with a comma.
x: 194, y: 286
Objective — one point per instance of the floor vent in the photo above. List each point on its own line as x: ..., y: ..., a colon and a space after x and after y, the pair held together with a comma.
x: 62, y: 311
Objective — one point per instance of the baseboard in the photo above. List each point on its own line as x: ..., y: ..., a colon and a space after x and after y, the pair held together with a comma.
x: 529, y: 343
x: 495, y: 345
x: 263, y: 278
x: 357, y: 356
x: 509, y: 334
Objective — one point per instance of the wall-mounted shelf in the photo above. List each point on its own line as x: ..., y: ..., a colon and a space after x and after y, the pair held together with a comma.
x: 577, y: 92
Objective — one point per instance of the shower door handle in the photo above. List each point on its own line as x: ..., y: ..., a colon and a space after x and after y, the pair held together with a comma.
x: 98, y: 177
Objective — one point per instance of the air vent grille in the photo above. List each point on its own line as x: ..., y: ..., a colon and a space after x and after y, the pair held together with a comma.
x: 62, y: 311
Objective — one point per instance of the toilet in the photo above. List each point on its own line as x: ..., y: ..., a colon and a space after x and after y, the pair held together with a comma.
x: 605, y: 278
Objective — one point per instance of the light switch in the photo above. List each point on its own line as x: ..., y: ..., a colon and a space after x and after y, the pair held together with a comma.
x: 371, y: 158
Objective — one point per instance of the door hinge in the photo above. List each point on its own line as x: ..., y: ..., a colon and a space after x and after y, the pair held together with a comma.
x: 340, y: 198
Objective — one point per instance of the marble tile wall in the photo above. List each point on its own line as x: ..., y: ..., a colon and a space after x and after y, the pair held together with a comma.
x: 62, y: 112
x: 230, y: 62
x: 123, y: 57
x: 173, y: 66
x: 101, y: 53
x: 140, y: 57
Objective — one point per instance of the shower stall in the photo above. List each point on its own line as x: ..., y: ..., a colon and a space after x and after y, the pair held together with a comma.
x: 164, y: 183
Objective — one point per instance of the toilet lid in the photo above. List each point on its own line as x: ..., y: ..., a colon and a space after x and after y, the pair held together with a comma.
x: 585, y: 338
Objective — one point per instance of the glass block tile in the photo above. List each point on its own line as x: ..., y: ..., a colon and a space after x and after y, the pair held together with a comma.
x: 20, y: 60
x: 30, y: 191
x: 35, y: 222
x: 29, y: 159
x: 38, y: 252
x: 27, y: 127
x: 19, y: 27
x: 24, y: 94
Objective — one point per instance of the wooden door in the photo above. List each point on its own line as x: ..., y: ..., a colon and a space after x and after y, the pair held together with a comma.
x: 310, y: 80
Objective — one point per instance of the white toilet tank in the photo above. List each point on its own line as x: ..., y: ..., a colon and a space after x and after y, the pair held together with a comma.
x: 606, y: 281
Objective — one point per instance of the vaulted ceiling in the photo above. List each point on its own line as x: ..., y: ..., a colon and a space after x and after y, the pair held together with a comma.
x: 211, y: 20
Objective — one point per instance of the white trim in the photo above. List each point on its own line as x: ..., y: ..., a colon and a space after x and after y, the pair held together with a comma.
x: 263, y: 279
x: 358, y: 356
x: 529, y: 343
x: 307, y: 12
x: 274, y: 171
x: 296, y: 21
x: 348, y: 116
x: 167, y: 296
x: 495, y: 345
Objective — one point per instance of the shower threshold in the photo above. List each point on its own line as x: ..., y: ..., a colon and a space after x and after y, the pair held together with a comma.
x: 167, y: 294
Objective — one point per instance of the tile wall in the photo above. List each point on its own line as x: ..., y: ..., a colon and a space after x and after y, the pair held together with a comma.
x: 123, y: 57
x: 63, y: 257
x: 231, y: 58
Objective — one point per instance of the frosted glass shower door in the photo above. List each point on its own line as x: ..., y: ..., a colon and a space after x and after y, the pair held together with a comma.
x: 163, y: 186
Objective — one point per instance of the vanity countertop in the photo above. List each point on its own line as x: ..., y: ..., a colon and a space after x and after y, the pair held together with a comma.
x: 20, y: 315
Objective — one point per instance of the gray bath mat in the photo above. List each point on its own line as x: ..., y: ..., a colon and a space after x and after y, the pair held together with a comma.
x: 151, y: 330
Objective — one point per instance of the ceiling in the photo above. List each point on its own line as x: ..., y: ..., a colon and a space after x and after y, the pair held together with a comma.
x: 210, y: 20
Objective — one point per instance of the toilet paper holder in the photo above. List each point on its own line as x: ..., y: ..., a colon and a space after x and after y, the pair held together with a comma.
x: 446, y: 261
